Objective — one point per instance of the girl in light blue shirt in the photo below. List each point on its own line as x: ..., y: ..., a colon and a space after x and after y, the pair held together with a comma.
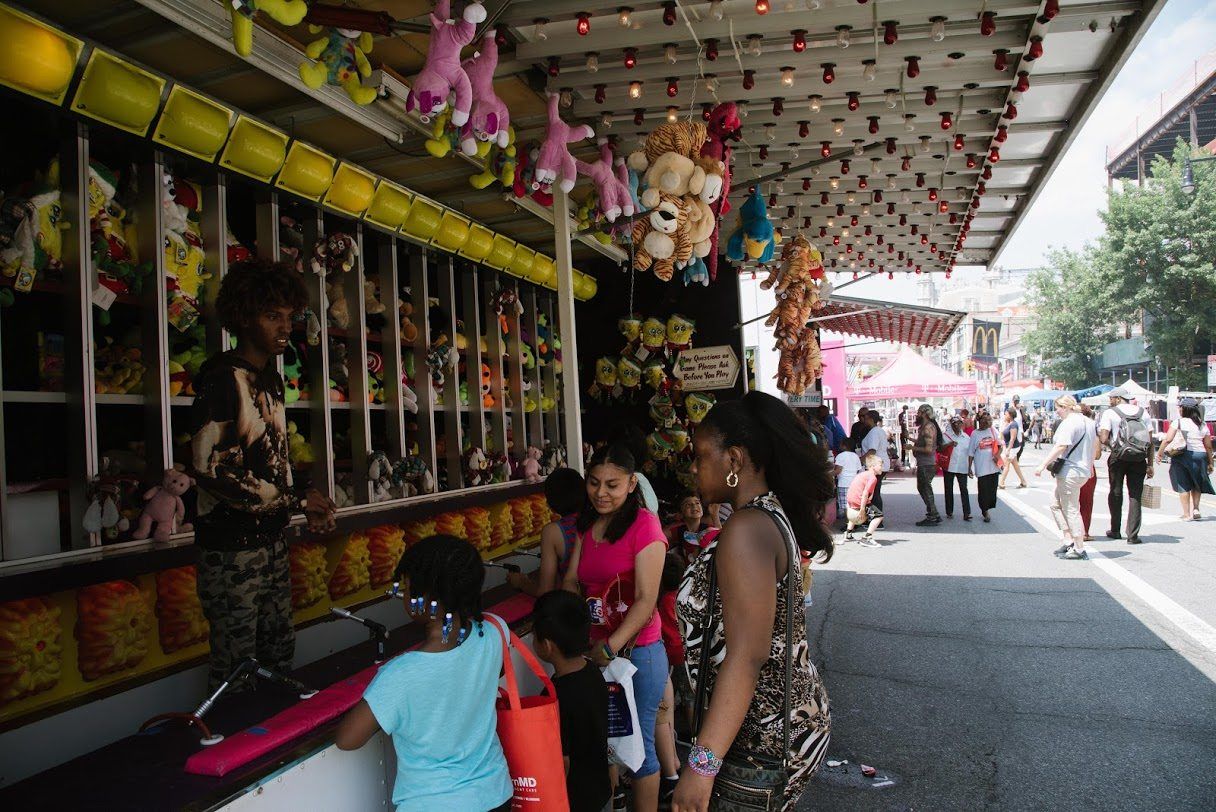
x: 437, y: 701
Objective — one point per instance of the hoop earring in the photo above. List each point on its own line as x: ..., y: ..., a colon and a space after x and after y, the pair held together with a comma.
x: 732, y: 480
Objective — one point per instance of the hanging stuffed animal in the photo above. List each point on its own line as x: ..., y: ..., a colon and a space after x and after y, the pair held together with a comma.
x: 797, y: 296
x: 339, y: 58
x: 506, y: 304
x: 654, y: 334
x: 629, y: 375
x: 500, y: 165
x: 525, y: 183
x: 606, y: 385
x: 554, y: 163
x: 284, y: 12
x: 614, y: 197
x: 679, y: 332
x: 724, y: 125
x: 443, y: 75
x: 702, y: 225
x: 754, y: 239
x: 35, y: 239
x: 698, y: 404
x: 335, y: 252
x: 489, y: 120
x: 661, y: 239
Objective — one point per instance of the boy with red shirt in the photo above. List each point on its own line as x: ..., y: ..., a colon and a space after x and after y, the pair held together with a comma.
x: 859, y: 500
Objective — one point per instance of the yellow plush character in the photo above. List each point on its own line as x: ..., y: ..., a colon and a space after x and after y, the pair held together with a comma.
x: 284, y: 12
x: 631, y: 328
x: 606, y: 372
x: 679, y: 331
x: 339, y: 58
x: 698, y: 405
x: 441, y: 142
x: 654, y: 333
x: 629, y: 373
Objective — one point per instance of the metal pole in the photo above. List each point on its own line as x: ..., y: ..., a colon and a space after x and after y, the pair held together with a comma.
x: 565, y: 320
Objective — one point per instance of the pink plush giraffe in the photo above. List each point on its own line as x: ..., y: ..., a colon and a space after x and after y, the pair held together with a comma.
x: 555, y: 160
x: 490, y: 118
x: 443, y: 73
x: 615, y: 199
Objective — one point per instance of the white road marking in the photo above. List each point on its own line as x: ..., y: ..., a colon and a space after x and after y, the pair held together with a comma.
x: 1181, y: 617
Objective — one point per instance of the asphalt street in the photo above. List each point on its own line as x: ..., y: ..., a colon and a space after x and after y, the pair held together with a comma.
x: 974, y: 670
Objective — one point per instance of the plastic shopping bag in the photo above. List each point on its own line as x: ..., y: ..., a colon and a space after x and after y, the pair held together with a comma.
x: 624, y: 733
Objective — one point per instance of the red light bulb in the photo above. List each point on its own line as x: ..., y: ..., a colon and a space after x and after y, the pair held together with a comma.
x: 971, y: 160
x: 500, y: 36
x: 862, y: 183
x: 584, y: 23
x: 913, y: 66
x: 639, y: 115
x: 959, y: 142
x: 804, y: 129
x: 1011, y: 111
x: 932, y: 248
x: 890, y: 32
x: 789, y: 211
x: 840, y: 210
x: 823, y: 232
x: 877, y: 195
x: 975, y: 204
x: 848, y: 249
x: 1023, y: 82
x: 920, y: 180
x: 853, y: 220
x: 806, y: 184
x: 953, y: 218
x: 1001, y: 63
x: 711, y: 49
x: 706, y: 110
x: 762, y: 6
x: 930, y: 95
x: 1036, y: 48
x: 988, y: 23
x: 772, y: 199
x: 600, y: 93
x: 933, y: 194
x: 906, y: 163
x: 987, y: 173
x: 799, y: 41
x: 915, y: 229
x: 947, y: 120
x: 854, y: 100
x: 943, y: 207
x: 890, y: 274
x: 555, y: 65
x: 631, y: 58
x: 778, y: 107
x: 829, y: 72
x: 903, y: 219
x: 873, y: 128
x: 844, y: 166
x: 891, y: 208
x: 1051, y: 9
x: 673, y: 87
x: 763, y: 152
x: 890, y: 146
x: 854, y: 272
x: 1002, y: 132
x: 836, y: 240
x: 924, y: 239
x: 823, y: 198
x: 869, y: 230
x: 669, y: 14
x: 749, y: 79
x: 825, y: 149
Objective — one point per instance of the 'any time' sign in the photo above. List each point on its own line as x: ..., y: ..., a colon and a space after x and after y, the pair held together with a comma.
x: 706, y: 368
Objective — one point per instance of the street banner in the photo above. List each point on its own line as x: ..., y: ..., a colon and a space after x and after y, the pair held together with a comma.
x: 985, y: 341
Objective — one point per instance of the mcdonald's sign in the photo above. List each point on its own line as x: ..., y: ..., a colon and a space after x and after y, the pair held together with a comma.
x: 985, y: 340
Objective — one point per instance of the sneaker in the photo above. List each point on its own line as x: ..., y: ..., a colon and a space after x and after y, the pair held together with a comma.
x: 1133, y: 540
x: 1113, y: 534
x: 1061, y: 549
x: 929, y: 521
x: 1074, y: 554
x: 869, y: 541
x: 619, y: 803
x: 966, y: 517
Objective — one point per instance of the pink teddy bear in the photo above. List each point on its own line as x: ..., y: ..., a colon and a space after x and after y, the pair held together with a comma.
x: 490, y: 118
x: 555, y: 160
x: 615, y: 199
x: 530, y: 466
x: 443, y: 73
x: 165, y: 507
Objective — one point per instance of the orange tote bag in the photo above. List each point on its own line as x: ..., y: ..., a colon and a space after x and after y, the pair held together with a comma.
x: 529, y: 729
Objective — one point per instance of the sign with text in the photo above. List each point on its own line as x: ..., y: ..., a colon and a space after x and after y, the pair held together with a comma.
x: 705, y: 368
x: 1212, y: 370
x: 810, y: 399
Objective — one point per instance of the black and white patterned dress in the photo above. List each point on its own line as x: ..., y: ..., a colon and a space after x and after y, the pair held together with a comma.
x: 762, y: 731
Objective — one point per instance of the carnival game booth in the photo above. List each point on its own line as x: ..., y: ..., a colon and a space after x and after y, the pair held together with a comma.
x: 430, y: 171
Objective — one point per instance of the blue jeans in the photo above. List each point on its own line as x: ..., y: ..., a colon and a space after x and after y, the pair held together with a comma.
x: 648, y: 685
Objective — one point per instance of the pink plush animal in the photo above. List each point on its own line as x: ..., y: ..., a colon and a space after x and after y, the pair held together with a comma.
x: 443, y: 73
x: 555, y: 160
x: 615, y: 199
x: 490, y: 118
x: 165, y: 507
x: 530, y: 466
x: 724, y: 125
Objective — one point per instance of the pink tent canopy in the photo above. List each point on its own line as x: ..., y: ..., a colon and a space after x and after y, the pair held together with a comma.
x: 908, y: 375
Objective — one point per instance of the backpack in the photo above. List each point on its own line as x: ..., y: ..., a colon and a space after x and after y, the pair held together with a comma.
x: 1133, y: 438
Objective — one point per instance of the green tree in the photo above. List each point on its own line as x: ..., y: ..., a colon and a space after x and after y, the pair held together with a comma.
x: 1072, y: 325
x: 1157, y: 258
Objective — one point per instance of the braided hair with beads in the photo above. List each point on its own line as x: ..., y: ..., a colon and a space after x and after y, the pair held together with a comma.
x: 446, y: 569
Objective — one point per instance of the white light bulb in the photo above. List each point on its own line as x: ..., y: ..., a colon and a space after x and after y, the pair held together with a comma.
x: 838, y: 126
x: 938, y: 31
x: 908, y: 125
x: 844, y: 232
x: 625, y: 17
x: 850, y: 198
x: 669, y: 53
x: 565, y: 99
x: 891, y: 183
x: 816, y: 104
x: 753, y: 45
x: 715, y: 10
x: 635, y: 90
x: 924, y: 144
x: 787, y: 77
x: 593, y: 63
x: 606, y: 120
x: 781, y: 187
x: 858, y: 149
x: 904, y: 198
x: 794, y: 153
x: 831, y: 222
x: 672, y: 115
x: 916, y: 209
x: 853, y: 264
x: 834, y: 183
x: 814, y: 5
x: 875, y: 166
x: 540, y: 32
x: 770, y: 132
x: 711, y: 84
x: 742, y: 107
x: 865, y: 210
x: 842, y: 37
x: 869, y: 71
x: 816, y: 170
x: 892, y: 99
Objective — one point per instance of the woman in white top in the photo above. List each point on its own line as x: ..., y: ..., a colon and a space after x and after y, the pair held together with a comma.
x: 1190, y: 458
x: 960, y: 452
x: 1074, y: 441
x: 984, y: 461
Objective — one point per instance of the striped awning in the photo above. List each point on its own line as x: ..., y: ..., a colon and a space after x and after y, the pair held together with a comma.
x: 888, y: 321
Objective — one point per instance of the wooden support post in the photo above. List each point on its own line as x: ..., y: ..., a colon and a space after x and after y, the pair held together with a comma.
x: 572, y: 417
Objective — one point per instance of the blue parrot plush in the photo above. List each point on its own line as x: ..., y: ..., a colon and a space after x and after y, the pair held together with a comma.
x: 695, y: 272
x: 755, y: 238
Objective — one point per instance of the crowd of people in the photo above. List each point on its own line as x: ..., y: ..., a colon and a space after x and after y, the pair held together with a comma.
x: 703, y: 611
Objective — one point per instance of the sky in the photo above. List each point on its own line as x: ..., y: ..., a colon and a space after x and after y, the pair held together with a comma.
x: 1065, y: 215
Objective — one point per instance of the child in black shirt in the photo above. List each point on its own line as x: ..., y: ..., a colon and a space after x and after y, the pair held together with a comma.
x: 561, y: 630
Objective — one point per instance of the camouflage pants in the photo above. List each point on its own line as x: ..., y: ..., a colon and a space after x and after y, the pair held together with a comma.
x: 246, y: 596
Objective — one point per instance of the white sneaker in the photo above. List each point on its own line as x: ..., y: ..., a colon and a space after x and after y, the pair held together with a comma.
x: 869, y: 541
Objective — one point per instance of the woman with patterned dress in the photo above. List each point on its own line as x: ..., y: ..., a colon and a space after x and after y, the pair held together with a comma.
x: 751, y: 454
